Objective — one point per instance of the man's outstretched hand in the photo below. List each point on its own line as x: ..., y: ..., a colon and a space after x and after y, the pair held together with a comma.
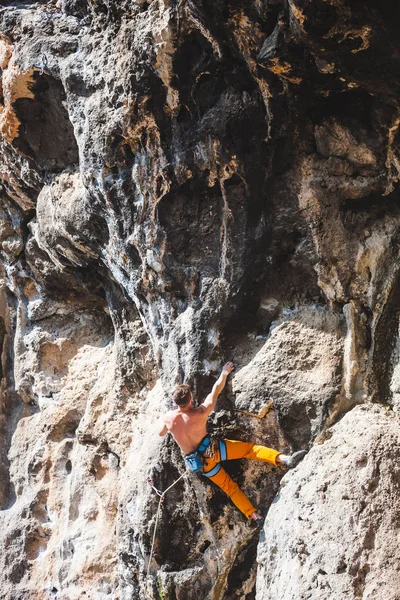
x: 209, y: 403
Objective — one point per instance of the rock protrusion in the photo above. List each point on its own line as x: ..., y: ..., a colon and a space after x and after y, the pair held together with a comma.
x: 332, y: 530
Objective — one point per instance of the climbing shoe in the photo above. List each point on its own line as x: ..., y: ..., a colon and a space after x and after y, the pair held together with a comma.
x: 291, y: 461
x: 257, y: 518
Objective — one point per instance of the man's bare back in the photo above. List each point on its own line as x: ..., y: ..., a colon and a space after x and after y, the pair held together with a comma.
x: 188, y: 424
x: 188, y: 428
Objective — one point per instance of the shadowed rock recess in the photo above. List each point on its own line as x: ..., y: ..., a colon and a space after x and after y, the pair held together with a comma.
x: 183, y: 183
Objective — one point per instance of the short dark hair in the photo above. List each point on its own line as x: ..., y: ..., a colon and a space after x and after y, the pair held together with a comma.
x: 182, y: 395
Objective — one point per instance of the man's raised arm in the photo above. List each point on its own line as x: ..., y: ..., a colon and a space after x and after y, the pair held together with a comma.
x: 209, y: 403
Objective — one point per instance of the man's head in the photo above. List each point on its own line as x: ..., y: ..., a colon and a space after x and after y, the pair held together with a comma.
x: 182, y: 395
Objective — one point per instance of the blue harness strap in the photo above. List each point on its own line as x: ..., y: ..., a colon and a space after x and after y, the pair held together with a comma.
x: 213, y: 471
x: 223, y: 456
x: 205, y: 442
x: 222, y: 450
x: 194, y: 460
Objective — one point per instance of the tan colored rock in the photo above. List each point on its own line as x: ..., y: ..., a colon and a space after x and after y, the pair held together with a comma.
x: 297, y: 369
x: 332, y: 531
x: 333, y: 139
x: 182, y: 184
x: 6, y: 50
x: 15, y: 84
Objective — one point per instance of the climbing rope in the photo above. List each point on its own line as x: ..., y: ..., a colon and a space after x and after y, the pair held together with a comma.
x: 161, y: 495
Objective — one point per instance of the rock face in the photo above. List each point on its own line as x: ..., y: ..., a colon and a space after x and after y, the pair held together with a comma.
x: 332, y: 531
x: 184, y: 183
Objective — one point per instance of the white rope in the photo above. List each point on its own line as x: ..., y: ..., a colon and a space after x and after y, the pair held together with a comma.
x: 157, y: 516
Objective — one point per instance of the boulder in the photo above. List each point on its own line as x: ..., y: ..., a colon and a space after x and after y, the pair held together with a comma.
x: 332, y: 531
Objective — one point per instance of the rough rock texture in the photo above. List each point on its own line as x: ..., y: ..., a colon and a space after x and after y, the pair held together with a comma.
x: 183, y: 183
x: 298, y: 368
x: 332, y: 531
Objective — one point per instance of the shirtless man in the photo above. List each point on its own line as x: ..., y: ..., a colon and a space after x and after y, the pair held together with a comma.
x: 188, y: 427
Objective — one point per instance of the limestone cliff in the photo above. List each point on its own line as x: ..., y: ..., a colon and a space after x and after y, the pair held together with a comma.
x: 182, y: 183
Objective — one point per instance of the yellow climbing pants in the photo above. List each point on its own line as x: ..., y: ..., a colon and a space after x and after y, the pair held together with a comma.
x: 229, y: 450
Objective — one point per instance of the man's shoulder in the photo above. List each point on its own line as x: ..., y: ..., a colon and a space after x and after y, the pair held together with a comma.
x: 170, y: 414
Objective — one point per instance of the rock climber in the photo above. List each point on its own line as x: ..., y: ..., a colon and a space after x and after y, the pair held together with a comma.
x: 203, y: 454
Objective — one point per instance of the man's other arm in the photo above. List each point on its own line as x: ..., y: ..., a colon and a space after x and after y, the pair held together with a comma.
x: 209, y: 403
x: 161, y: 427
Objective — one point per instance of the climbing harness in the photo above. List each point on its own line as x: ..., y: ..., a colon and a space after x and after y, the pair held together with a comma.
x: 194, y: 460
x: 221, y: 446
x: 161, y: 495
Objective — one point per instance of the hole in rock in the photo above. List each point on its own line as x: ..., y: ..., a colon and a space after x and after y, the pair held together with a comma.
x: 389, y: 10
x: 321, y: 18
x: 343, y: 105
x: 191, y: 218
x: 99, y: 466
x: 46, y: 133
x: 204, y: 546
x: 342, y: 568
x: 195, y: 53
x: 18, y: 572
x: 271, y: 20
x: 240, y: 573
x: 133, y: 254
x: 207, y: 91
x: 36, y: 543
x: 68, y: 466
x: 76, y: 8
x: 359, y: 213
x: 184, y: 115
x: 66, y: 428
x: 120, y: 154
x: 199, y: 76
x: 384, y: 354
